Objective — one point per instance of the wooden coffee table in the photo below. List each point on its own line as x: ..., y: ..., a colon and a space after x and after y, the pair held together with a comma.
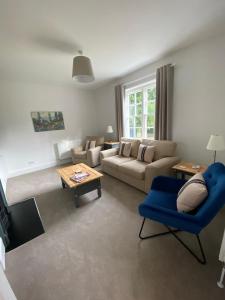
x: 90, y: 183
x: 186, y: 168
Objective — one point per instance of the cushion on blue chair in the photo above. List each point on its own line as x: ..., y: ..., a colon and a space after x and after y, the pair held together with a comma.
x: 160, y: 203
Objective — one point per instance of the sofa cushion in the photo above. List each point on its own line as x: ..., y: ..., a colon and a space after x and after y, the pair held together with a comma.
x: 116, y: 160
x: 90, y: 145
x: 192, y: 194
x: 134, y: 145
x: 162, y: 148
x: 81, y: 154
x: 125, y: 149
x: 134, y: 168
x: 146, y: 153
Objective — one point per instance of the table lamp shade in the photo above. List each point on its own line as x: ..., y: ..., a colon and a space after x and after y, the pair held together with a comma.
x: 109, y: 129
x: 216, y: 143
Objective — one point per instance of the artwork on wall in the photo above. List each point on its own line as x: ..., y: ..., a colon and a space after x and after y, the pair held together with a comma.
x: 47, y: 120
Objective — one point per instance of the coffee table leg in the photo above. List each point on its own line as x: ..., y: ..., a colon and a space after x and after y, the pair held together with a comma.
x: 76, y: 199
x: 63, y: 184
x: 99, y: 188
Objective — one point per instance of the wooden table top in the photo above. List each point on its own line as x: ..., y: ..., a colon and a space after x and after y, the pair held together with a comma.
x: 187, y: 167
x: 66, y: 172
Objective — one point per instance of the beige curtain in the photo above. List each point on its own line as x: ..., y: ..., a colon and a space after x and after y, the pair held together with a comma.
x: 164, y: 97
x: 119, y: 110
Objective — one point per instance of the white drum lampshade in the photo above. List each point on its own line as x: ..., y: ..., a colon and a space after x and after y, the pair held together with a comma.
x: 216, y: 143
x: 109, y: 129
x: 82, y: 69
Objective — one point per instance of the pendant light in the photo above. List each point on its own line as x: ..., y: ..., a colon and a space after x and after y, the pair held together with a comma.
x: 82, y: 69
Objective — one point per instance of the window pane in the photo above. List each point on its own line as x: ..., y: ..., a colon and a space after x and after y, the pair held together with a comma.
x: 131, y: 122
x: 150, y: 121
x: 151, y: 108
x: 139, y: 97
x: 152, y: 93
x: 131, y: 98
x: 150, y: 132
x: 138, y: 132
x: 131, y: 111
x: 138, y: 121
x: 132, y: 132
x: 139, y: 110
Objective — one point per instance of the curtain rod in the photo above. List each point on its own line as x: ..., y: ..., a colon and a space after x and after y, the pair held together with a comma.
x: 141, y: 78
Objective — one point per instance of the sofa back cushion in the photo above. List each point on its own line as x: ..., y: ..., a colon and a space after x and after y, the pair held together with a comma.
x: 134, y: 145
x: 162, y: 148
x: 90, y: 145
x: 99, y: 140
x: 146, y: 153
x: 125, y: 149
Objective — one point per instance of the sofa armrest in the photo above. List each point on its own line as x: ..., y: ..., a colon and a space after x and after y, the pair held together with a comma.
x: 74, y: 151
x: 159, y: 167
x: 93, y: 156
x: 108, y: 153
x: 77, y: 149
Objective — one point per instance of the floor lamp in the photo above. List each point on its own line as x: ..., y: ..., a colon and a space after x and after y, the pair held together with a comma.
x: 216, y: 143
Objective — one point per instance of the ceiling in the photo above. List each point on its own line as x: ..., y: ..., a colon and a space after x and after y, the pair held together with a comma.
x: 40, y: 37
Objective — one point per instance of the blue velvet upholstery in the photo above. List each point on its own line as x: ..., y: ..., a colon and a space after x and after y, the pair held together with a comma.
x: 160, y: 203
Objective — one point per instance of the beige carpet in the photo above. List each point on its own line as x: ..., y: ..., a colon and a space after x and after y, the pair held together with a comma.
x: 93, y: 252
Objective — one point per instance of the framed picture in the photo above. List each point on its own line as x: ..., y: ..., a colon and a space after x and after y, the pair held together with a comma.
x: 47, y: 120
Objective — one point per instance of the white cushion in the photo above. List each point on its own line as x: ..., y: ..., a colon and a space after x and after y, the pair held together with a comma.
x: 90, y: 145
x: 146, y: 153
x: 192, y: 194
x: 125, y: 149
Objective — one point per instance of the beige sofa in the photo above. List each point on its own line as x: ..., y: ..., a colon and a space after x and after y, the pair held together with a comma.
x: 137, y: 173
x: 90, y: 157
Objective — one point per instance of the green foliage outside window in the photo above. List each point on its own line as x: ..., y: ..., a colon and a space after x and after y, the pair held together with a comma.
x: 138, y: 132
x: 152, y: 93
x: 131, y: 99
x: 139, y: 110
x: 139, y: 97
x: 138, y: 121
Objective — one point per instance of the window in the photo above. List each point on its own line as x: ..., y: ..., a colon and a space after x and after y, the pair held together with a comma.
x: 139, y: 114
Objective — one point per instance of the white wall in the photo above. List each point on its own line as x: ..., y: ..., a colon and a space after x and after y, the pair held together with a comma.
x: 199, y: 97
x: 25, y: 150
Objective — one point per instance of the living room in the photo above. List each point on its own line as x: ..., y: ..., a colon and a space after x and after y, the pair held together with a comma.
x: 93, y: 251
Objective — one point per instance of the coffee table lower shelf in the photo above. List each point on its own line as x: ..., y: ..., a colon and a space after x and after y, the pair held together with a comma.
x: 84, y: 189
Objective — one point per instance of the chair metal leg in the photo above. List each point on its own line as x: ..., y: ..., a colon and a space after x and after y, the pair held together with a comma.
x: 153, y: 235
x: 201, y: 259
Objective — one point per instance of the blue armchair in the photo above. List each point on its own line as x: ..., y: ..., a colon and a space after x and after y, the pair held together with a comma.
x: 160, y: 205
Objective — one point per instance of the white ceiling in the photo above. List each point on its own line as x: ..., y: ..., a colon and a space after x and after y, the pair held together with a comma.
x: 40, y: 37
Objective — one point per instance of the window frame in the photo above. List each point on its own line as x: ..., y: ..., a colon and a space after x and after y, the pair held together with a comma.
x: 134, y: 90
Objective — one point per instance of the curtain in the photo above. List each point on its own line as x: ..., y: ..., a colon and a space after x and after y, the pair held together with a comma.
x: 164, y: 96
x: 119, y: 110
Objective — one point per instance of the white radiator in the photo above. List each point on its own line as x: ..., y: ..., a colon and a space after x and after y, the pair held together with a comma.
x: 64, y: 148
x: 222, y: 259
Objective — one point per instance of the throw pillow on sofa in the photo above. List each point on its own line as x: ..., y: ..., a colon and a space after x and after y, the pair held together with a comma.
x: 125, y: 149
x: 192, y: 193
x: 90, y: 145
x: 146, y: 153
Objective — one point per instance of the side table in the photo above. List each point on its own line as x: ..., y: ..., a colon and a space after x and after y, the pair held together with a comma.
x: 188, y: 168
x: 110, y: 145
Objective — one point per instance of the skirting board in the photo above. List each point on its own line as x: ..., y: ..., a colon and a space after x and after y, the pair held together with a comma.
x: 37, y: 168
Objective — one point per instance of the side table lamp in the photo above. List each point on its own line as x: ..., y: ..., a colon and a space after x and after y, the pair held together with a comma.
x: 109, y: 130
x: 216, y: 143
